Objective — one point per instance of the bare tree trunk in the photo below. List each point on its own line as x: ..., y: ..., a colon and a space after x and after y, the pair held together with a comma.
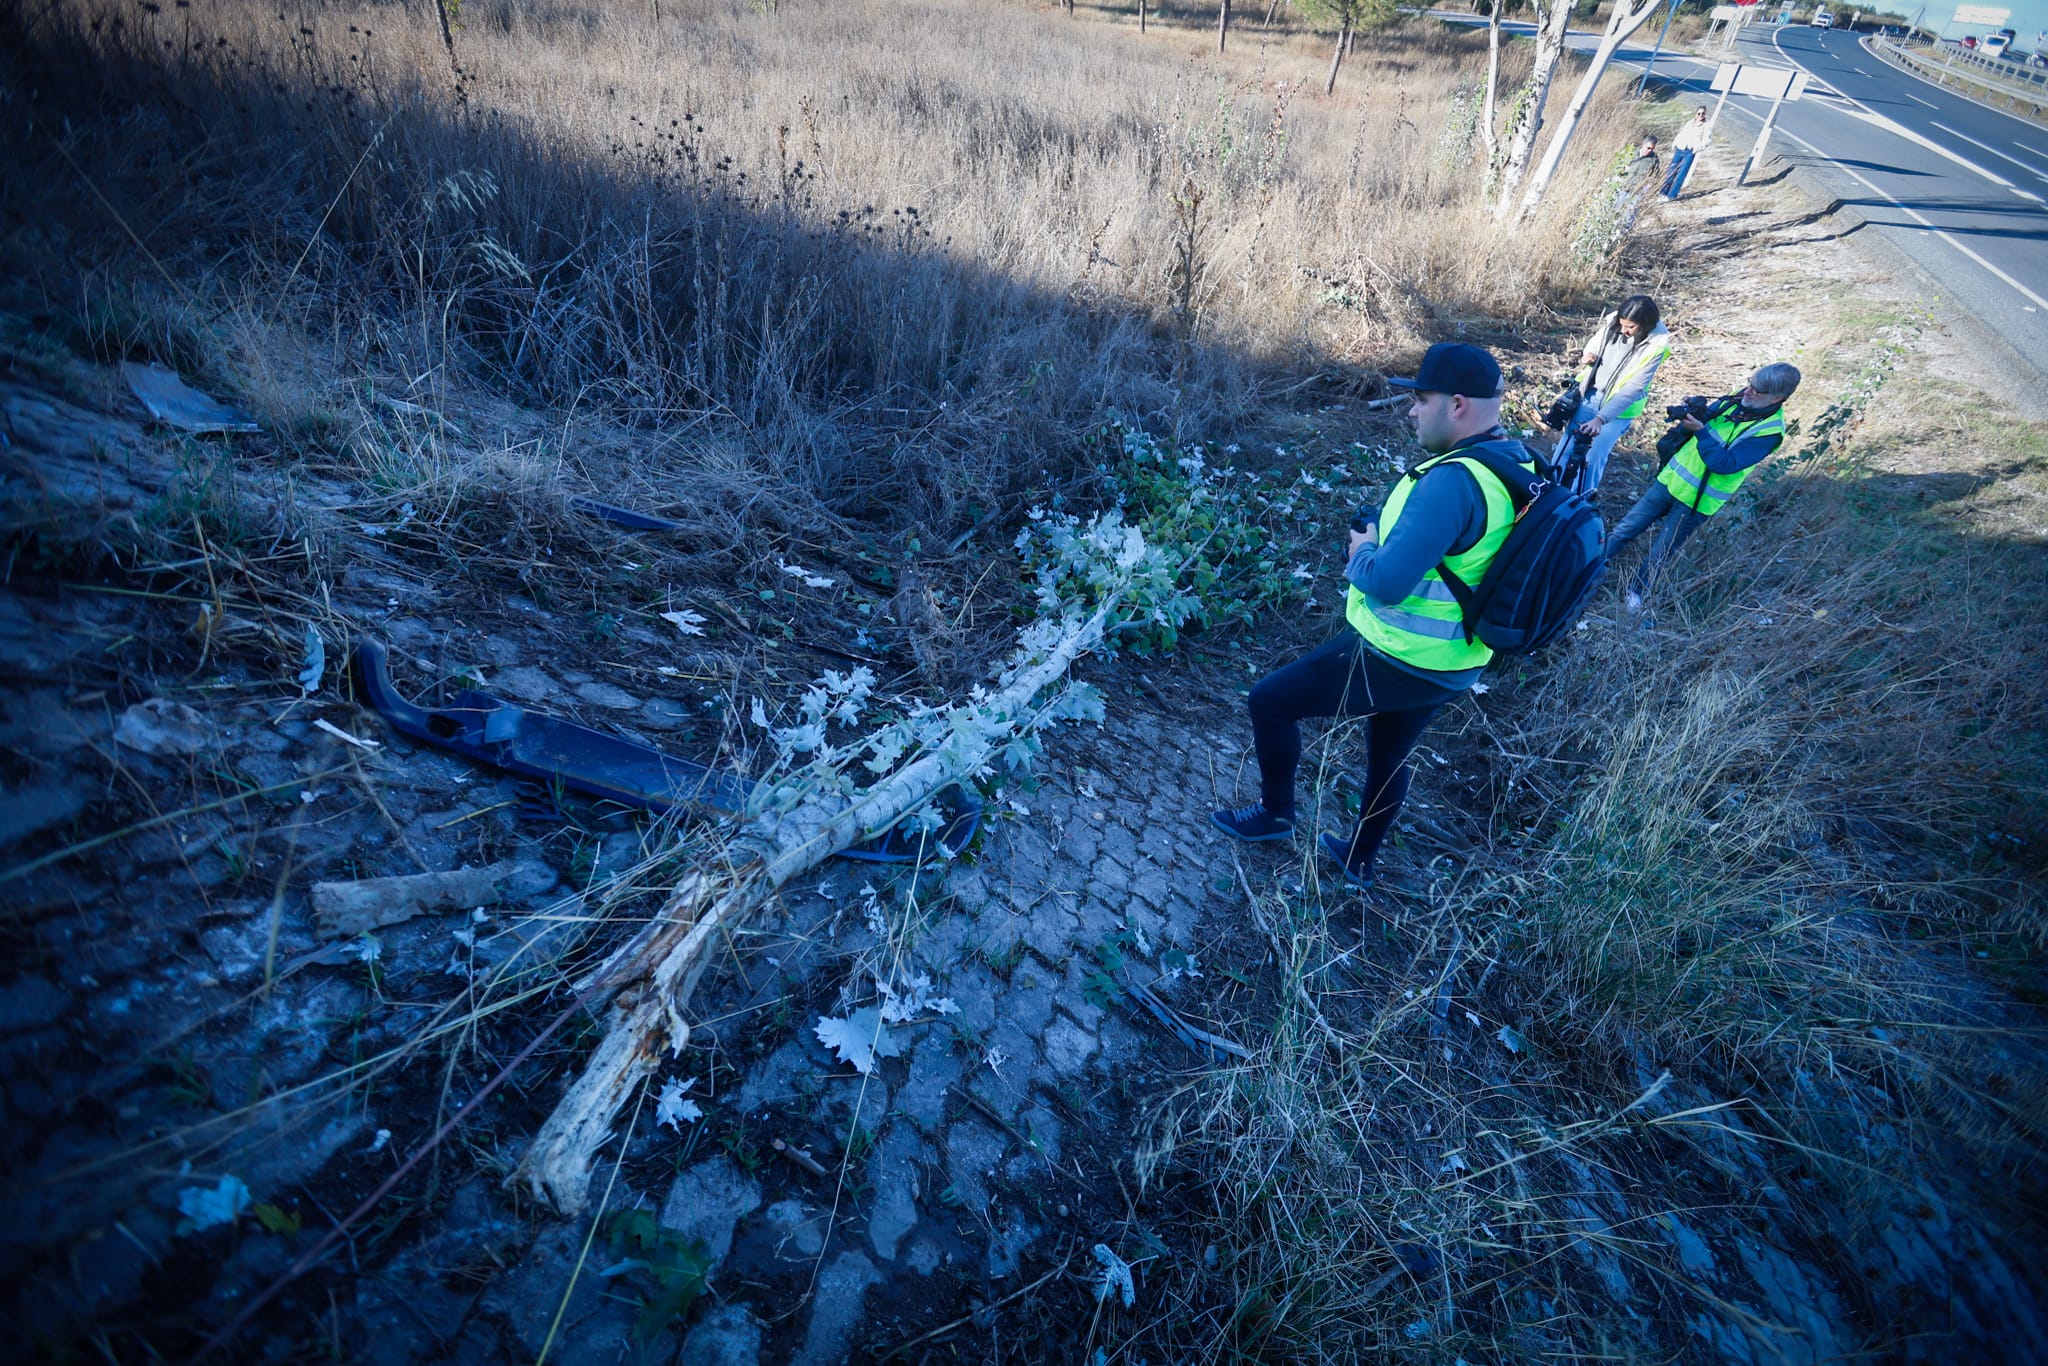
x: 1337, y: 57
x: 648, y: 980
x: 1549, y: 47
x: 1141, y: 16
x: 447, y: 34
x: 1628, y: 16
x: 1486, y: 132
x: 1272, y: 10
x: 1222, y: 24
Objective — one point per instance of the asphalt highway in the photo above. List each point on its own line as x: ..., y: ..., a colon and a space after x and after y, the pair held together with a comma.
x: 1960, y: 189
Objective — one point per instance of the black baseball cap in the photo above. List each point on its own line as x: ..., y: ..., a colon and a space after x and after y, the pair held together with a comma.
x: 1455, y: 368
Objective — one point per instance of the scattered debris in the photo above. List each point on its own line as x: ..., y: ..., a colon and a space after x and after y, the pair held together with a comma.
x: 800, y: 1158
x: 1209, y: 1047
x: 797, y: 571
x: 170, y: 400
x: 322, y: 723
x: 902, y: 1004
x: 531, y: 744
x: 625, y: 517
x: 344, y: 909
x: 205, y: 1207
x: 1512, y: 1040
x: 161, y: 726
x: 1116, y: 1275
x: 316, y: 663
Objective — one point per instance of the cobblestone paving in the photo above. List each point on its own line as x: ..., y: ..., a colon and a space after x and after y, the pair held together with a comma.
x: 1110, y: 857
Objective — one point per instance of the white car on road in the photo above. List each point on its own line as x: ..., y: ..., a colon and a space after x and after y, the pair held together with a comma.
x: 1822, y: 19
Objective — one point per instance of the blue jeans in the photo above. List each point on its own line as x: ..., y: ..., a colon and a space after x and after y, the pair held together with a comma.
x: 1681, y: 164
x: 1655, y: 505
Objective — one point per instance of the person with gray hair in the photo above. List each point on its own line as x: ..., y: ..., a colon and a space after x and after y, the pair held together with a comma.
x: 1708, y: 452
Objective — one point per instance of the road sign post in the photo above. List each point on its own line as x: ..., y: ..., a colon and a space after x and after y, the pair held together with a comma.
x: 1774, y: 83
x: 1670, y: 14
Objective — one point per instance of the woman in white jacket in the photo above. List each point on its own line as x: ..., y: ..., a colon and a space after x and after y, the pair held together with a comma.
x: 1616, y: 366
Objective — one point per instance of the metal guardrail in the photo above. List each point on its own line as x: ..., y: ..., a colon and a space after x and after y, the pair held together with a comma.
x: 2019, y: 89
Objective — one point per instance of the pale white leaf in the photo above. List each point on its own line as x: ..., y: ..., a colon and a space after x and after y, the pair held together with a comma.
x: 672, y: 1109
x: 858, y: 1039
x: 686, y: 621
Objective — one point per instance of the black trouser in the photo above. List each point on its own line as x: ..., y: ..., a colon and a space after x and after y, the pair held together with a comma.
x: 1343, y: 678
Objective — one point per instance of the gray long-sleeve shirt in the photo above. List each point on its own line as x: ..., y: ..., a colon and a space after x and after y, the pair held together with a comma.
x: 1616, y: 394
x: 1445, y: 515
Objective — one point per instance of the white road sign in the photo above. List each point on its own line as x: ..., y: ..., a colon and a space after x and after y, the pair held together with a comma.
x: 1764, y: 82
x: 1980, y: 14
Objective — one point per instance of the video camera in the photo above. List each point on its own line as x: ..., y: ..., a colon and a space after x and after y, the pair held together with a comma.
x: 1562, y: 407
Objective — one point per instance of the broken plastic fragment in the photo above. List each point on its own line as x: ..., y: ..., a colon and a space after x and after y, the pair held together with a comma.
x: 1116, y: 1275
x: 204, y: 1209
x: 171, y: 400
x: 316, y: 663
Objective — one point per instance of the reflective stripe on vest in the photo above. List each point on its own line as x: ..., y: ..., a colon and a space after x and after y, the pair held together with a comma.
x: 1686, y: 477
x: 1426, y: 629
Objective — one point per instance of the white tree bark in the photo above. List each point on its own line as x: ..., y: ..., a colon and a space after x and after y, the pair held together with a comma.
x: 1486, y: 132
x: 646, y: 984
x: 1549, y: 47
x: 1628, y: 16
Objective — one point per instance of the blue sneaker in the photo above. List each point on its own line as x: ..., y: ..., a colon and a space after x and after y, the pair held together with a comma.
x: 1253, y: 823
x: 1339, y: 849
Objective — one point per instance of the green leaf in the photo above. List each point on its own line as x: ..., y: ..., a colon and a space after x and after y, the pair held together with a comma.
x: 1101, y: 989
x: 681, y: 1279
x: 276, y: 1220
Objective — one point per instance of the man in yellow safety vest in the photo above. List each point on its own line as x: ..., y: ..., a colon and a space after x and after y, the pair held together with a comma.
x: 1733, y: 437
x: 1405, y: 652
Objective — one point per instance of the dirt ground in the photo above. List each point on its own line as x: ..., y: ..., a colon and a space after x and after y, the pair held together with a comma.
x: 203, y: 1075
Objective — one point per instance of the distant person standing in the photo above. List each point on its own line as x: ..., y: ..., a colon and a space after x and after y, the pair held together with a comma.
x: 1721, y: 441
x: 1616, y: 366
x: 1690, y: 142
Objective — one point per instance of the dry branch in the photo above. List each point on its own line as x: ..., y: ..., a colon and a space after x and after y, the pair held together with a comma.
x: 649, y: 980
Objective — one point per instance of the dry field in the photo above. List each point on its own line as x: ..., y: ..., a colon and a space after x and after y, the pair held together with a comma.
x: 828, y: 234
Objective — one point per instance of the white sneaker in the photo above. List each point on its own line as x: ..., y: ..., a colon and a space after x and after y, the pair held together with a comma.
x: 1633, y: 602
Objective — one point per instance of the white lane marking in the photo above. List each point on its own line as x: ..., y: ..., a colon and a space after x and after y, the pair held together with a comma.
x: 2023, y: 291
x: 1891, y: 126
x: 1917, y: 100
x: 2037, y: 174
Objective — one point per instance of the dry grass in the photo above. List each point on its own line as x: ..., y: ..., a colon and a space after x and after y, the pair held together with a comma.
x: 817, y: 262
x: 1768, y: 846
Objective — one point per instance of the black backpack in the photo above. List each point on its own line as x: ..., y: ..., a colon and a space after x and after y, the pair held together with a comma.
x: 1543, y: 573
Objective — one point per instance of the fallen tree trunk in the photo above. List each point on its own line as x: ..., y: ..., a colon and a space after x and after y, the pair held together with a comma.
x: 648, y: 981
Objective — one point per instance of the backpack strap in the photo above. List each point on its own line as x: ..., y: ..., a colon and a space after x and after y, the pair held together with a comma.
x: 1521, y: 486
